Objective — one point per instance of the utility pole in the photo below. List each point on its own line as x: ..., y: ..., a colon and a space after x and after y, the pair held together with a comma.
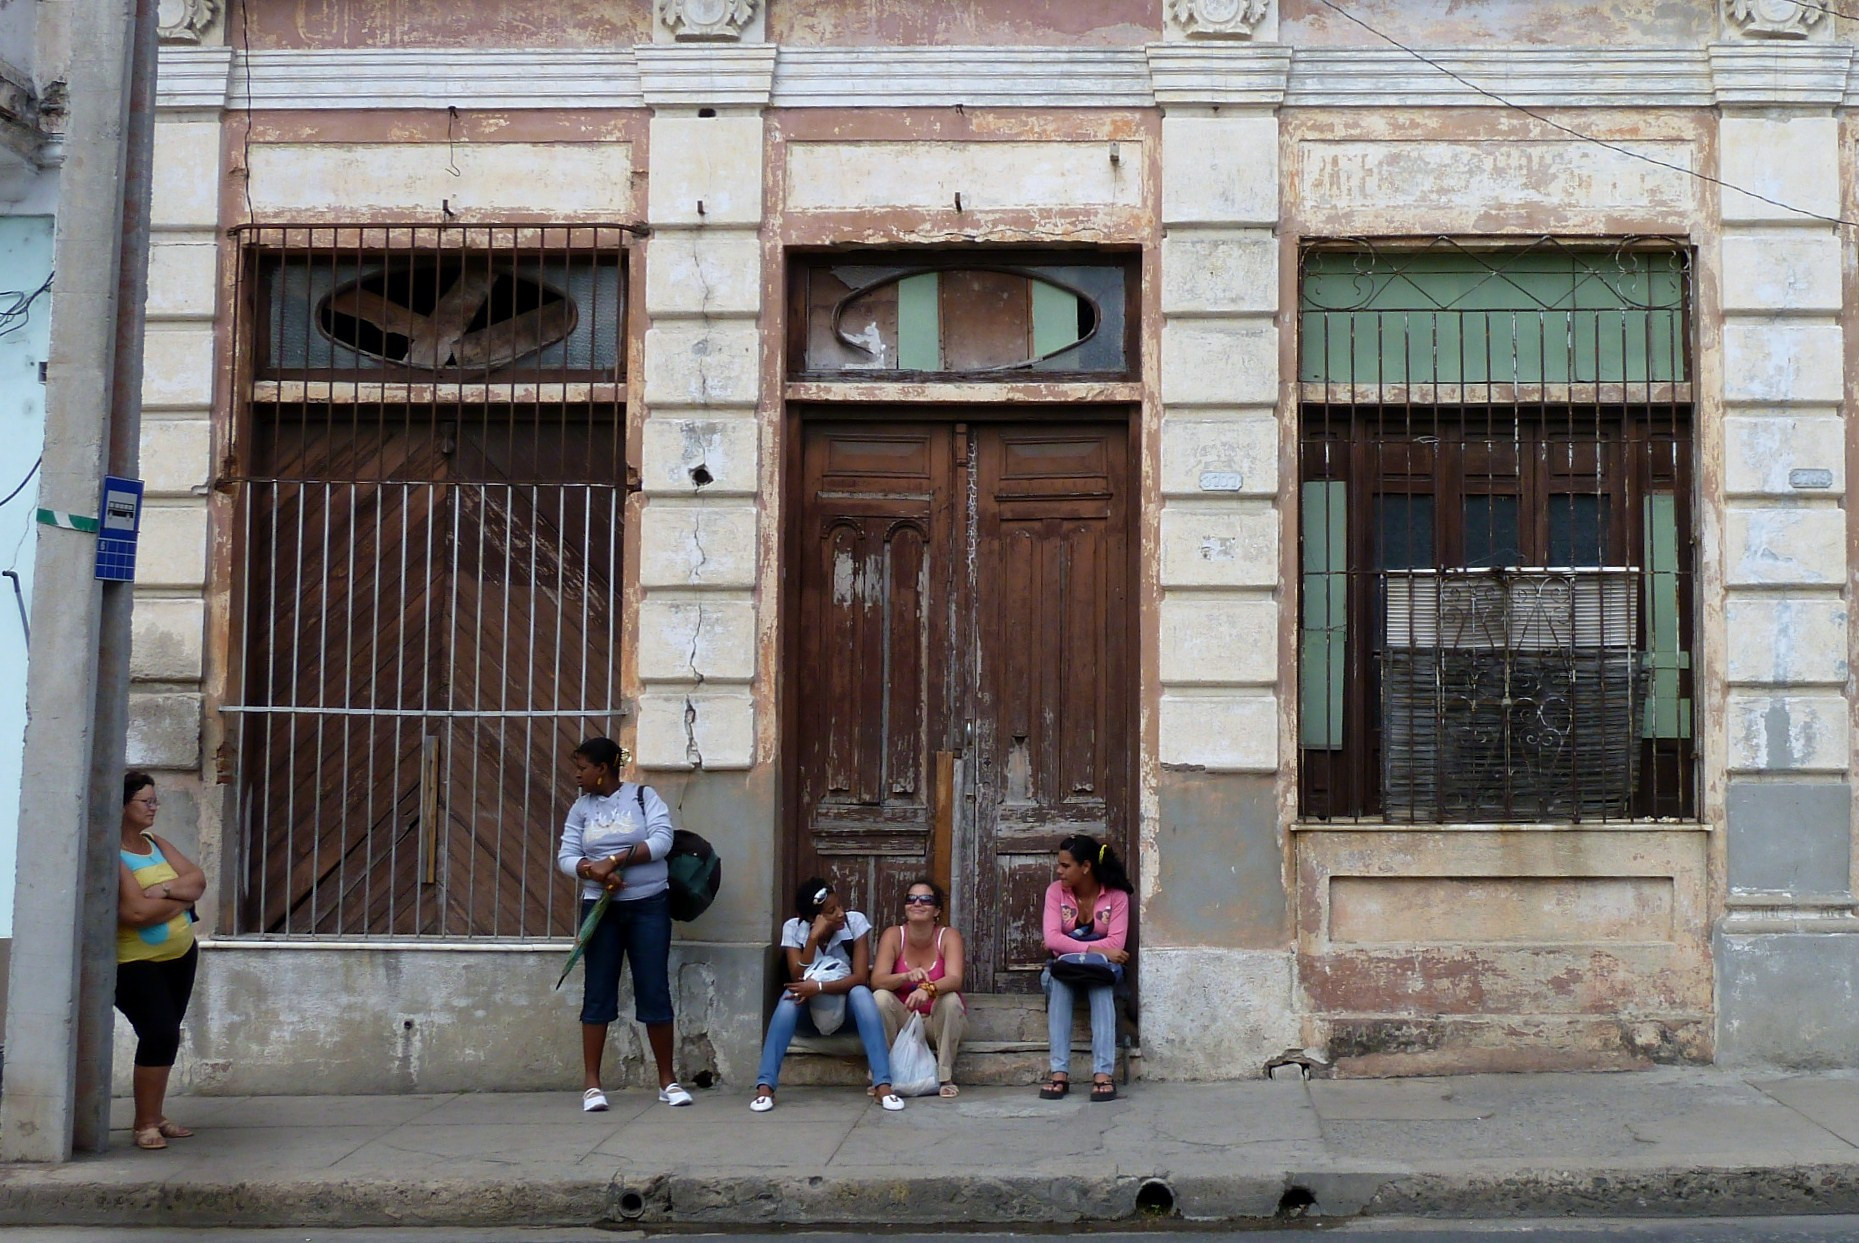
x: 63, y: 970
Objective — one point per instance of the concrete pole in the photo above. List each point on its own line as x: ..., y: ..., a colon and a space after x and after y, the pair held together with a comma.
x: 63, y: 961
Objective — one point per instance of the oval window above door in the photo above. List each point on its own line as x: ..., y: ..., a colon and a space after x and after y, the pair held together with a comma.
x: 964, y: 320
x: 446, y: 315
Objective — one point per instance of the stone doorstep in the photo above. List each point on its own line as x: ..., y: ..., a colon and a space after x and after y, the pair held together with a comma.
x: 1004, y: 1046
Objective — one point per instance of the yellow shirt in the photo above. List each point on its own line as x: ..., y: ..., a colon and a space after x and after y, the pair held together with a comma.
x: 162, y: 941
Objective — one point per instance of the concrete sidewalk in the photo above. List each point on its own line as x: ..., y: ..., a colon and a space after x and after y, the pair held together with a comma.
x: 1661, y: 1142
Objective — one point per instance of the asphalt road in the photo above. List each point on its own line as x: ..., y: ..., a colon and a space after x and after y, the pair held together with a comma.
x: 1627, y: 1230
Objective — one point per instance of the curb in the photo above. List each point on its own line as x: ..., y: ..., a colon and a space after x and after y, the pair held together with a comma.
x: 658, y: 1198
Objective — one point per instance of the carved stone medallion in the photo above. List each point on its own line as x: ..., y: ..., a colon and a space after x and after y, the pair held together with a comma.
x: 1218, y: 19
x: 186, y: 21
x: 1772, y: 19
x: 707, y: 19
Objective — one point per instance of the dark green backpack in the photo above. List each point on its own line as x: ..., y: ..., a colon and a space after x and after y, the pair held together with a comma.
x: 693, y: 869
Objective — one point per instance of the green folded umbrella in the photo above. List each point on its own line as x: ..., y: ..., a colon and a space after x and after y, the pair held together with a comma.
x: 587, y: 930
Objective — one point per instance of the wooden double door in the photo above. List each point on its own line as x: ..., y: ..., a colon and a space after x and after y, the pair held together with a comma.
x: 962, y: 666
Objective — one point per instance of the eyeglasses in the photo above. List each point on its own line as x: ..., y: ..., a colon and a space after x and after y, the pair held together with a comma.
x: 147, y: 802
x: 920, y: 899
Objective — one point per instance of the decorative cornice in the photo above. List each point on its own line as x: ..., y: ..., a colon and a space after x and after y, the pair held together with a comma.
x: 1185, y: 74
x: 1757, y: 74
x: 189, y: 76
x: 979, y: 77
x: 1171, y: 74
x: 708, y: 20
x: 695, y: 75
x: 186, y: 21
x: 436, y: 78
x: 1534, y: 77
x: 1221, y: 19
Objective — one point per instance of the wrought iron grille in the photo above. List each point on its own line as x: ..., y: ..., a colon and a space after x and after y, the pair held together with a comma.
x: 430, y: 476
x: 1496, y: 532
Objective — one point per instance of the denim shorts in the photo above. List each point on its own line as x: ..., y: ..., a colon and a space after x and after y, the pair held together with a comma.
x: 641, y: 931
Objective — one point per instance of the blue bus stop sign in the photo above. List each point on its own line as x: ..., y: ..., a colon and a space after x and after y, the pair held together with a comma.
x: 118, y: 524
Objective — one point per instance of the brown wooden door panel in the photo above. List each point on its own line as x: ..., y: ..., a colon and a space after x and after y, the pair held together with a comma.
x: 1051, y: 685
x: 873, y: 553
x: 1013, y: 655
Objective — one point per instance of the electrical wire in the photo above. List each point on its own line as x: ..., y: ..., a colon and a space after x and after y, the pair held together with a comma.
x: 1572, y: 132
x: 15, y: 317
x: 28, y: 479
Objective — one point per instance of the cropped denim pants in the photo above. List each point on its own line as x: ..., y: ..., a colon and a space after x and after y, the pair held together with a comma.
x: 788, y: 1016
x: 1103, y: 1001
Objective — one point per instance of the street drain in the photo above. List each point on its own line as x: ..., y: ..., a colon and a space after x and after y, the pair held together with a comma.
x: 631, y: 1205
x: 1295, y: 1202
x: 1155, y: 1198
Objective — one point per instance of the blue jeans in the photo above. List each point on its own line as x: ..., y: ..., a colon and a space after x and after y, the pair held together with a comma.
x: 1103, y: 1004
x: 789, y: 1015
x: 640, y: 932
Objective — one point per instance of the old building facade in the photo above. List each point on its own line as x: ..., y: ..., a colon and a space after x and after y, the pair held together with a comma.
x: 1381, y: 465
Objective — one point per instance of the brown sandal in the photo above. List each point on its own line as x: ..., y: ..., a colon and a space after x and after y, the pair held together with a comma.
x: 1055, y: 1088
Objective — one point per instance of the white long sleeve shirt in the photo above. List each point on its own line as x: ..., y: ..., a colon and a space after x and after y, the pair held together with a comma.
x: 601, y: 826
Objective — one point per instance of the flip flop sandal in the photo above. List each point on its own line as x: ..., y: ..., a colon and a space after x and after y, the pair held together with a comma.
x: 149, y: 1137
x: 1104, y: 1091
x: 173, y: 1130
x: 948, y: 1091
x: 1055, y: 1089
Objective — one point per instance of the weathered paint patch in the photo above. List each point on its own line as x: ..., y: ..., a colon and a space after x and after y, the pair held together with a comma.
x: 1791, y: 837
x: 987, y: 175
x: 483, y: 23
x: 946, y: 23
x: 1496, y: 909
x: 1788, y: 999
x: 401, y: 1019
x: 1483, y: 23
x: 1218, y: 863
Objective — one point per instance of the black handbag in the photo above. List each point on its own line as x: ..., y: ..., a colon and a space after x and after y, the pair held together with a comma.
x: 1084, y: 970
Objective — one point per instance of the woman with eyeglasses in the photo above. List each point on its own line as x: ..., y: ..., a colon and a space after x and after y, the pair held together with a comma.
x: 1087, y: 912
x: 157, y: 887
x: 827, y: 950
x: 919, y: 971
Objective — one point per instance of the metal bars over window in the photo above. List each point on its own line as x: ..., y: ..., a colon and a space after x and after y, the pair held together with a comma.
x: 430, y: 477
x: 1496, y: 606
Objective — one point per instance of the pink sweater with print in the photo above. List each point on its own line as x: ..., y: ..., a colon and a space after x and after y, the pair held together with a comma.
x: 1110, y: 918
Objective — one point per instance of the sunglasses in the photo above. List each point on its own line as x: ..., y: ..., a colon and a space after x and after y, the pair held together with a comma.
x: 920, y: 899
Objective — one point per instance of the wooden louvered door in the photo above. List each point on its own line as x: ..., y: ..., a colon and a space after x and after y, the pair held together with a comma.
x: 962, y: 666
x: 429, y: 612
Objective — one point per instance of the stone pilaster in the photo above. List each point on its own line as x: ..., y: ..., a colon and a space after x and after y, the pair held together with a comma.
x: 1786, y: 570
x: 700, y: 460
x: 1218, y: 566
x: 179, y: 368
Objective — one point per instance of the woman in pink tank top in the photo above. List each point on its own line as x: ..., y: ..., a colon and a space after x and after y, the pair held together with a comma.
x: 918, y: 969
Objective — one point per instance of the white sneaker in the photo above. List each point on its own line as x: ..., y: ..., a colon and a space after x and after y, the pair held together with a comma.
x: 672, y: 1094
x: 593, y: 1101
x: 762, y: 1104
x: 891, y: 1101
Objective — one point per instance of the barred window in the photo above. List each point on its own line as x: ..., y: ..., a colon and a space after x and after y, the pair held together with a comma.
x: 430, y: 473
x: 1496, y: 532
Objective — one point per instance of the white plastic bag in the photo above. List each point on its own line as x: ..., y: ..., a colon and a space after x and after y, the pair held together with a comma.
x: 828, y: 1010
x: 913, y: 1066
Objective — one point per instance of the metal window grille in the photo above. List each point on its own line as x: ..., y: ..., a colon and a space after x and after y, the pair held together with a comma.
x: 1496, y: 610
x: 430, y: 481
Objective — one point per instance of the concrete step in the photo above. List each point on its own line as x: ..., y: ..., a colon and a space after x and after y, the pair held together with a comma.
x: 1005, y: 1045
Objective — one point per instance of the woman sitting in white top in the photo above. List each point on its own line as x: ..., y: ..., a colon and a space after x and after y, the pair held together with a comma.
x: 828, y: 953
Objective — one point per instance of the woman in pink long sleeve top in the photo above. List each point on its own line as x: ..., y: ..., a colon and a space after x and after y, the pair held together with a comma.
x: 1087, y: 911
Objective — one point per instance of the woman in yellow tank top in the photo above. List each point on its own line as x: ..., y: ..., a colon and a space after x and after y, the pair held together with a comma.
x: 155, y: 953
